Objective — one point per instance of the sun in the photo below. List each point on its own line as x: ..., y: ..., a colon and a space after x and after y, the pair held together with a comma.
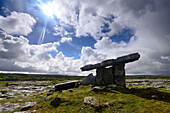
x: 48, y: 9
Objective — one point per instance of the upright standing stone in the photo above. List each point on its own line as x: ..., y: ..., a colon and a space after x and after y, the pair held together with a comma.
x: 104, y: 76
x: 119, y: 74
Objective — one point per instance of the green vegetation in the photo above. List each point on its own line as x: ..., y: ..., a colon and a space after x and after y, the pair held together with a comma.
x: 148, y: 77
x: 36, y: 77
x: 133, y: 99
x: 129, y: 100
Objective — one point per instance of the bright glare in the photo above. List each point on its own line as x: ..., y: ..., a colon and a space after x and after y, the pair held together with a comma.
x: 48, y: 9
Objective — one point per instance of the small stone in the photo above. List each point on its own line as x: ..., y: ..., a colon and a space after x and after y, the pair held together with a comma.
x: 28, y: 106
x: 153, y: 96
x: 46, y: 99
x: 107, y: 105
x: 55, y: 102
x: 157, y: 101
x: 3, y: 92
x: 112, y: 86
x: 92, y: 101
x: 51, y: 90
x: 48, y: 94
x: 99, y: 88
x: 20, y: 100
x: 70, y: 90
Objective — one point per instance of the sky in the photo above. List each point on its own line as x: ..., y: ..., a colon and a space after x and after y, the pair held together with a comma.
x: 60, y: 36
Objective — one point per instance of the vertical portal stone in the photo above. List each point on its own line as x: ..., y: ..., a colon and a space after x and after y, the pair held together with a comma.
x: 104, y: 76
x: 119, y: 74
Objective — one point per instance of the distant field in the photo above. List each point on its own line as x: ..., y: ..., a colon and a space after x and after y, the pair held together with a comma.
x: 39, y: 77
x: 148, y: 77
x: 35, y: 77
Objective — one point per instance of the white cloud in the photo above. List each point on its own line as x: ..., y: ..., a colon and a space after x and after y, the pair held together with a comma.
x: 165, y: 57
x: 147, y: 18
x: 65, y: 39
x: 17, y: 23
x: 18, y: 55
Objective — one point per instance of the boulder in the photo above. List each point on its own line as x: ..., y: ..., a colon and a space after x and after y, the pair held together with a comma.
x: 92, y: 101
x: 66, y: 85
x: 56, y: 101
x: 28, y: 106
x: 90, y: 79
x: 3, y: 92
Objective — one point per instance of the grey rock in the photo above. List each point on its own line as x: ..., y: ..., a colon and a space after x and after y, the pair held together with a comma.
x: 92, y: 101
x: 99, y: 88
x: 51, y: 90
x: 90, y: 79
x: 104, y: 77
x: 12, y: 106
x: 112, y: 86
x: 28, y: 106
x: 49, y: 93
x: 3, y: 92
x: 119, y: 75
x: 13, y: 84
x: 55, y: 102
x: 70, y: 90
x: 120, y: 60
x: 66, y: 85
x: 46, y: 99
x: 113, y: 75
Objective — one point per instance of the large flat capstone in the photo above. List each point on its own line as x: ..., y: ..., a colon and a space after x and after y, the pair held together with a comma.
x: 67, y: 85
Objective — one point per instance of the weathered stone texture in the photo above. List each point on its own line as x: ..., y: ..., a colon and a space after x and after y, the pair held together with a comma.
x: 90, y: 79
x: 119, y: 75
x: 114, y: 75
x: 104, y: 76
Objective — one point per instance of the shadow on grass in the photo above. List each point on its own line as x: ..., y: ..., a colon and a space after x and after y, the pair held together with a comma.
x: 150, y: 93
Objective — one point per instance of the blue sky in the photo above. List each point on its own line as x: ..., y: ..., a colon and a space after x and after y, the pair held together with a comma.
x: 55, y: 36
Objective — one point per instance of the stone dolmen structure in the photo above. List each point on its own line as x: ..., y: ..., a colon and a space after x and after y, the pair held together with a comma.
x: 109, y: 72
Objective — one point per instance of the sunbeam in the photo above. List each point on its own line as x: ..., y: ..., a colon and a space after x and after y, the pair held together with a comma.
x: 42, y: 35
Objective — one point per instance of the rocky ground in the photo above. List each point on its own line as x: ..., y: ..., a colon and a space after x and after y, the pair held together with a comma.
x: 153, y: 83
x: 24, y: 95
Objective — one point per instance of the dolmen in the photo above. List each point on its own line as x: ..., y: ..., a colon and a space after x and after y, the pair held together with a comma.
x: 109, y: 72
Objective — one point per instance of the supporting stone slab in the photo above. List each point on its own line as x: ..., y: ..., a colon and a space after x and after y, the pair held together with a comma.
x: 119, y: 74
x: 104, y: 76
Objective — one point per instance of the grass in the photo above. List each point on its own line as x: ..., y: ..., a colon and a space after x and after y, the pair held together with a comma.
x: 133, y: 99
x: 136, y: 100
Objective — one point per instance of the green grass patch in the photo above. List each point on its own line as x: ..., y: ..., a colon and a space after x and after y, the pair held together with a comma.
x: 136, y: 100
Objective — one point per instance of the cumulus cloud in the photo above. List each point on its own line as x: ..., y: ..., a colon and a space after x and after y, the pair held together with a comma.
x: 17, y: 54
x: 148, y: 19
x: 17, y: 23
x: 65, y: 39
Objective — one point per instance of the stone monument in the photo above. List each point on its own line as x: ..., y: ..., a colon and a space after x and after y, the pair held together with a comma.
x: 109, y: 72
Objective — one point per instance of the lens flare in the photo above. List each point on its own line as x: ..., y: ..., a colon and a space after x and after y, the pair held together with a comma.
x: 48, y: 9
x: 41, y: 38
